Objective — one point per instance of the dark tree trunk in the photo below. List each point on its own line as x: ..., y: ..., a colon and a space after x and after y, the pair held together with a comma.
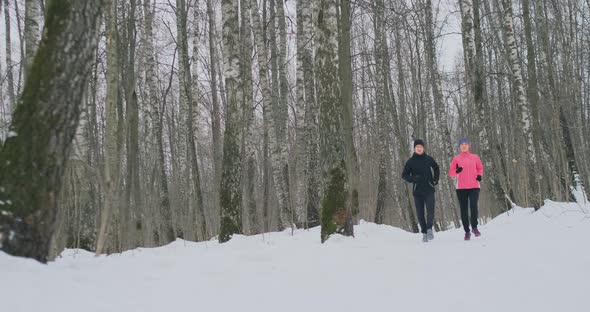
x: 33, y: 158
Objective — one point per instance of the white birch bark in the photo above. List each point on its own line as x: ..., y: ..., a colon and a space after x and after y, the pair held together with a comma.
x: 162, y: 227
x: 9, y: 63
x: 289, y: 216
x: 300, y: 138
x: 279, y: 171
x: 310, y: 131
x: 249, y: 137
x: 230, y: 192
x: 32, y: 12
x: 336, y: 201
x: 215, y: 111
x: 45, y: 120
x: 520, y: 96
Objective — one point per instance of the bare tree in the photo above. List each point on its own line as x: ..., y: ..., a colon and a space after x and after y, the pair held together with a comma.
x: 230, y: 192
x: 110, y: 210
x: 525, y: 125
x: 335, y: 211
x: 217, y: 144
x: 45, y: 120
x: 9, y: 62
x: 32, y: 29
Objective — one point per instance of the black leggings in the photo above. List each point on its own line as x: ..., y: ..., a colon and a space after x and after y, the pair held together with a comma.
x: 468, y: 201
x: 425, y: 201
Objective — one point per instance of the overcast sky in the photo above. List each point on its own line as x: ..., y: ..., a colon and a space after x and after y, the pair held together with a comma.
x: 449, y: 44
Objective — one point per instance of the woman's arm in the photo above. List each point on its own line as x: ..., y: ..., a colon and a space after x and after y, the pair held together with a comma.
x: 452, y: 168
x: 478, y: 166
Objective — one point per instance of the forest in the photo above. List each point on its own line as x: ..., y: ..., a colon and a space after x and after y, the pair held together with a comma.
x: 131, y: 123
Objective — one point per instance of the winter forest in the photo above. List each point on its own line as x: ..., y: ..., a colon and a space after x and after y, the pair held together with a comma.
x: 131, y: 123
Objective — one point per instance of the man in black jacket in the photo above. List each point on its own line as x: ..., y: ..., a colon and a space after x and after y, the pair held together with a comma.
x: 423, y: 172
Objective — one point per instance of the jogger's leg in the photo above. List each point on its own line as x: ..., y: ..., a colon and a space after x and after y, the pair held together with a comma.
x: 429, y: 210
x: 419, y: 201
x: 473, y: 199
x: 462, y: 195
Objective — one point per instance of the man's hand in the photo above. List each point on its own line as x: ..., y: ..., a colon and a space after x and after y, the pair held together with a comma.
x: 478, y: 178
x: 458, y: 169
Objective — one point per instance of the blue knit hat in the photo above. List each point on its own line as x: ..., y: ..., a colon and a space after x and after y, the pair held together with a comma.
x: 464, y: 141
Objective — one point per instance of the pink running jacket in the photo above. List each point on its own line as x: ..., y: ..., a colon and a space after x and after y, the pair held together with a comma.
x: 472, y: 167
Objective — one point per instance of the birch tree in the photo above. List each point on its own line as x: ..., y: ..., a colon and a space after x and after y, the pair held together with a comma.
x: 35, y: 155
x: 380, y: 93
x: 135, y: 218
x: 312, y: 207
x: 215, y: 111
x: 248, y: 139
x: 32, y: 12
x: 110, y: 210
x: 188, y: 96
x: 163, y: 230
x: 9, y: 62
x: 307, y: 191
x: 475, y: 67
x: 335, y: 213
x: 533, y: 96
x: 230, y: 192
x: 530, y: 158
x: 300, y: 144
x: 345, y: 72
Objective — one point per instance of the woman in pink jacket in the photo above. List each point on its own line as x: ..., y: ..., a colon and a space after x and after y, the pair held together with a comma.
x: 468, y: 170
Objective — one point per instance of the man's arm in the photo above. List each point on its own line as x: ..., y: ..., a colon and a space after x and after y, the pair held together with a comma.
x: 436, y: 169
x: 406, y: 174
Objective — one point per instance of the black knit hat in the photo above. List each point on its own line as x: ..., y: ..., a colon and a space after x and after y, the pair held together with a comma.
x: 418, y: 142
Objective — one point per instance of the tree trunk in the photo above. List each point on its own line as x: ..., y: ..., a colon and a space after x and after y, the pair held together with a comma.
x: 278, y: 167
x: 309, y: 132
x: 381, y: 73
x: 279, y: 114
x: 215, y: 112
x: 200, y: 221
x: 529, y: 158
x: 163, y: 230
x: 9, y: 63
x: 230, y: 192
x: 443, y: 129
x: 533, y: 96
x: 491, y: 151
x: 135, y: 206
x: 112, y: 162
x: 300, y: 138
x: 186, y: 80
x: 35, y: 155
x: 401, y: 133
x: 31, y: 31
x: 336, y: 201
x: 21, y: 43
x: 345, y: 72
x: 249, y: 149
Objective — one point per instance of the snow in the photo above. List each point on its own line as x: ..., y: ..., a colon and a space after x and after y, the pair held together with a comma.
x: 524, y: 261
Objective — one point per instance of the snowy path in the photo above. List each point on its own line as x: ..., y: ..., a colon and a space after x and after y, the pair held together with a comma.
x: 524, y: 261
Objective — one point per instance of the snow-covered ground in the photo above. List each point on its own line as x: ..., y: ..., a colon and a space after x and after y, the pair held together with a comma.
x: 524, y: 261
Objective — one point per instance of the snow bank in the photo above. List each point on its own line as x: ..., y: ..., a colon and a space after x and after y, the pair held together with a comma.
x: 525, y: 261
